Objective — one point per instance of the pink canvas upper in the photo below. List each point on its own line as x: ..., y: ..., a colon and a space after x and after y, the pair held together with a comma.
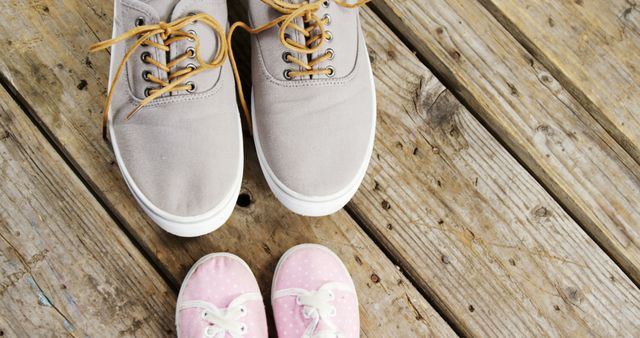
x: 220, y: 294
x: 312, y: 274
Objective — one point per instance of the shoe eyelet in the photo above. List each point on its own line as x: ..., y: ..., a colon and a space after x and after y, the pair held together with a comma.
x: 193, y: 87
x: 147, y: 91
x: 192, y: 14
x: 139, y: 21
x: 328, y: 35
x: 325, y: 4
x: 333, y: 71
x: 208, y: 331
x: 243, y: 328
x: 285, y: 57
x: 327, y: 18
x: 145, y: 75
x: 192, y: 32
x: 287, y: 74
x: 204, y: 314
x: 192, y: 66
x: 333, y: 312
x: 144, y: 57
x: 331, y: 53
x: 192, y: 52
x: 243, y: 310
x: 287, y: 36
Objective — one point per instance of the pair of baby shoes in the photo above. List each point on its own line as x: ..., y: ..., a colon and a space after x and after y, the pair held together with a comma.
x: 172, y: 114
x: 312, y: 296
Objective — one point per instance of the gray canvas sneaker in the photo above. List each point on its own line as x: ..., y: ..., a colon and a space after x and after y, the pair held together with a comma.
x: 313, y: 104
x: 171, y: 114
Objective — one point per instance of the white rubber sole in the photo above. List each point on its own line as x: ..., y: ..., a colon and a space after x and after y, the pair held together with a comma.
x: 183, y: 226
x: 195, y: 267
x: 313, y: 206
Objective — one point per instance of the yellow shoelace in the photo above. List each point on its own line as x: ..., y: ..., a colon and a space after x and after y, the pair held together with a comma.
x: 314, y: 33
x: 169, y: 33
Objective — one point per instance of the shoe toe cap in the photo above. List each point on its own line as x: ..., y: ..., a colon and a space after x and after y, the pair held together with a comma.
x: 318, y: 153
x: 219, y: 279
x: 185, y: 169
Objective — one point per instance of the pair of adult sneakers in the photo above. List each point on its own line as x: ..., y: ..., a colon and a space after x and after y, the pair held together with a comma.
x: 172, y: 114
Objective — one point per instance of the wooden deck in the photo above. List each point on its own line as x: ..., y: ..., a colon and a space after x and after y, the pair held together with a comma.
x: 503, y: 197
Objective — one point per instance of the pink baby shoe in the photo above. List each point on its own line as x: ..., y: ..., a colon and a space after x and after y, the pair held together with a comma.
x: 313, y: 295
x: 220, y: 298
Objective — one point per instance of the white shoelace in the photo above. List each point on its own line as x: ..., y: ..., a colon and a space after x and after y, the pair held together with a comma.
x: 318, y: 306
x: 225, y: 320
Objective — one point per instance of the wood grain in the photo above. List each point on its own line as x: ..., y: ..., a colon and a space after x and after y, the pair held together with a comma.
x: 65, y: 88
x: 493, y: 249
x: 593, y: 48
x: 527, y: 108
x: 66, y: 269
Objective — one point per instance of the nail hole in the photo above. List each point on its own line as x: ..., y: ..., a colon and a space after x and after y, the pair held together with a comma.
x: 244, y: 200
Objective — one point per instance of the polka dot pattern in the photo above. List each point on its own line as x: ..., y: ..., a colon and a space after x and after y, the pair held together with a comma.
x: 219, y: 279
x: 309, y: 267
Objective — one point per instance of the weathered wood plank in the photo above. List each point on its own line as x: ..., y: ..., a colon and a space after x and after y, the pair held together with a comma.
x: 547, y: 129
x: 66, y: 269
x: 66, y: 87
x: 492, y: 248
x: 486, y: 271
x: 593, y: 48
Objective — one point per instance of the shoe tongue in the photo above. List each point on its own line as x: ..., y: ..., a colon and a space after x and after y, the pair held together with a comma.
x: 208, y: 38
x: 163, y: 8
